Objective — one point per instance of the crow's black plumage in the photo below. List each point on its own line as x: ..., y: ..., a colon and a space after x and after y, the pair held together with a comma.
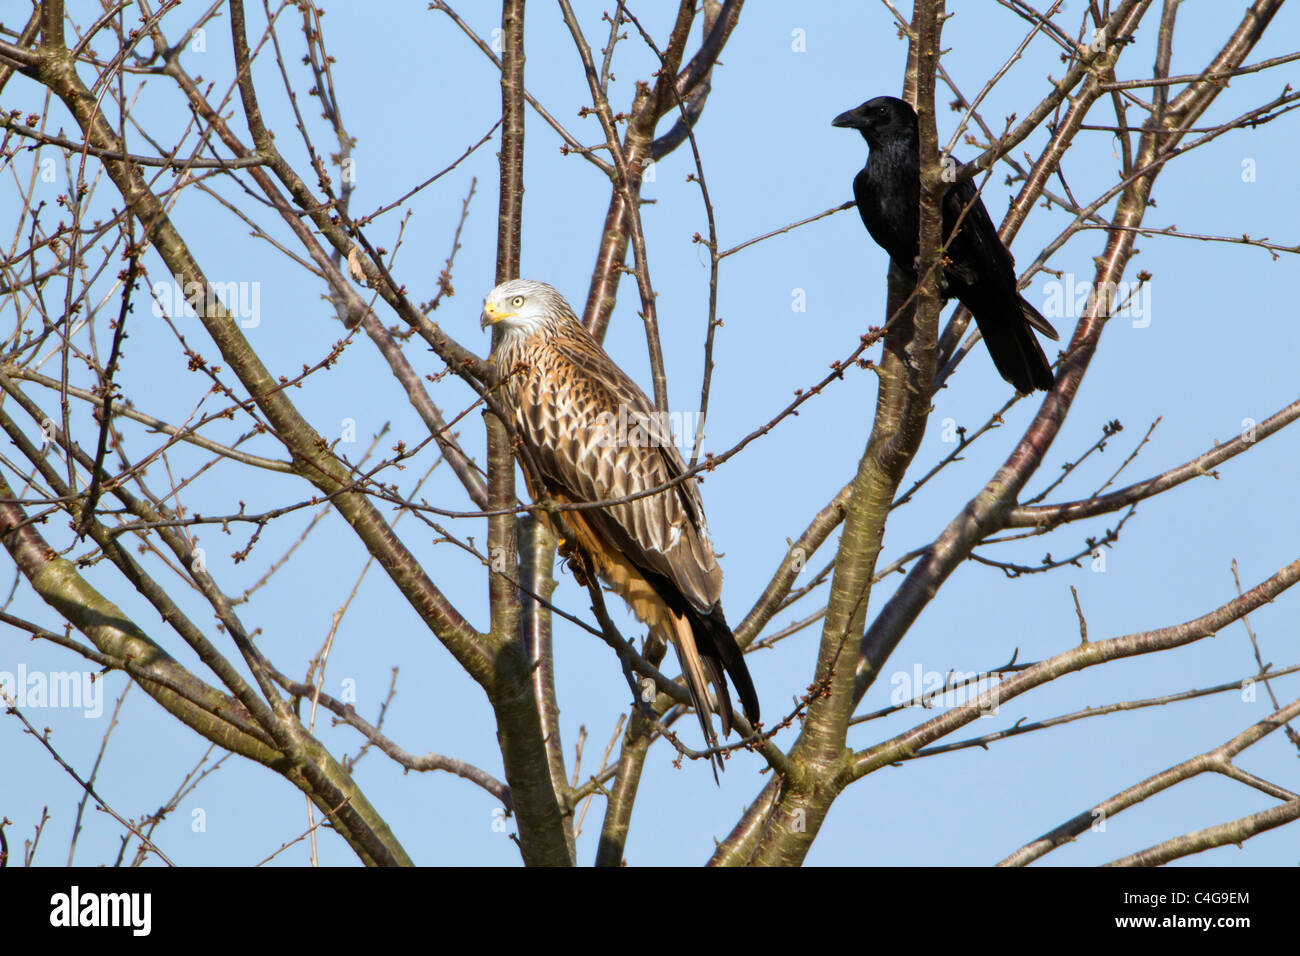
x: 977, y: 268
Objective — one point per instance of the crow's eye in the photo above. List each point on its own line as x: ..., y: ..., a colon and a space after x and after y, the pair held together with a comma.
x: 882, y: 110
x: 517, y: 302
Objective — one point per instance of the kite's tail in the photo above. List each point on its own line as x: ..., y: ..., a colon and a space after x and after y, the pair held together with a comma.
x: 720, y: 652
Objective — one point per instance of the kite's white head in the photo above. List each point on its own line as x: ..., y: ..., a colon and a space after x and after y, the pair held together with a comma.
x: 524, y: 306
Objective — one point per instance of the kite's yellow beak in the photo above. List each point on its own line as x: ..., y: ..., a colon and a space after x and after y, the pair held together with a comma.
x: 491, y: 316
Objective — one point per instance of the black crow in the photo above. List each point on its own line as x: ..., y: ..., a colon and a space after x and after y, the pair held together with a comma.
x: 977, y: 269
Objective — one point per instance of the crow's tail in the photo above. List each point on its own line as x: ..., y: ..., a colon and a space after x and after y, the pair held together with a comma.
x: 1010, y: 340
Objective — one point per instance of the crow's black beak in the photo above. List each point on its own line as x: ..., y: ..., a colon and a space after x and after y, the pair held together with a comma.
x: 848, y: 120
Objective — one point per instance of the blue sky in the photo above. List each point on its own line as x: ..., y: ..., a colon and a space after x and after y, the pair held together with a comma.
x: 1219, y: 349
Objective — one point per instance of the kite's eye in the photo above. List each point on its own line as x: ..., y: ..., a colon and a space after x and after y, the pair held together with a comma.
x: 517, y: 302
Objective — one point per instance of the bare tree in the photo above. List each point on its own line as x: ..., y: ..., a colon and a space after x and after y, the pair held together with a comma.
x: 98, y: 478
